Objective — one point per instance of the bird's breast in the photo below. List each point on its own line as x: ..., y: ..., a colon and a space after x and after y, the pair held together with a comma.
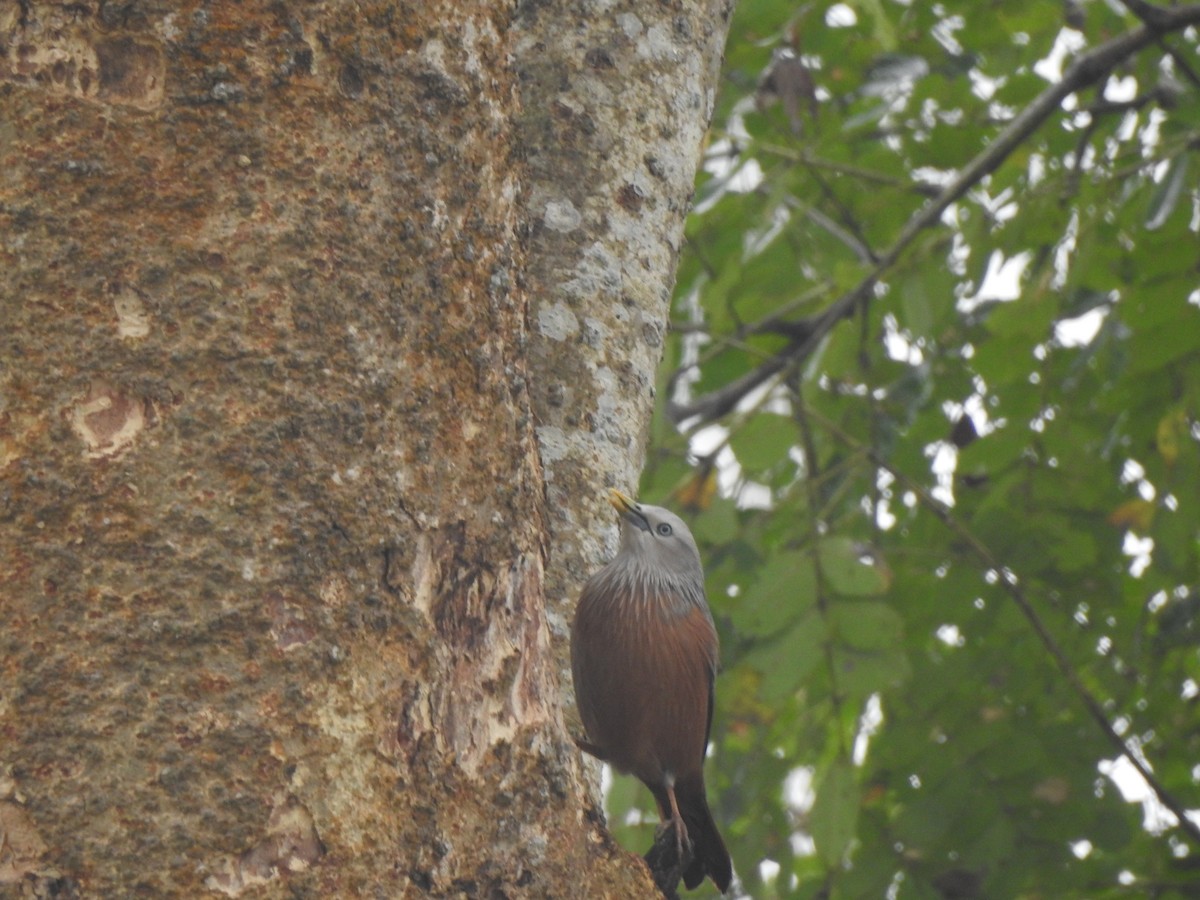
x: 643, y: 664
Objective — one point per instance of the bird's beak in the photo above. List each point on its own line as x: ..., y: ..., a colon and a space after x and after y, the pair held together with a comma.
x: 628, y: 508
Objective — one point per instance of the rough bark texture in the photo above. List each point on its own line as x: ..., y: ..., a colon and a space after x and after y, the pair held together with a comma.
x: 616, y: 98
x: 273, y: 525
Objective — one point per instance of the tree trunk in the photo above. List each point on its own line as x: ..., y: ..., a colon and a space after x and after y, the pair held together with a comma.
x: 275, y: 524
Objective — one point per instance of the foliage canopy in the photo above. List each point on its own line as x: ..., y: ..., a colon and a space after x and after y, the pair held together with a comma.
x: 931, y: 405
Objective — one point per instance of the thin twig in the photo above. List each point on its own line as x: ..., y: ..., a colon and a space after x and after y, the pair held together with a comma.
x: 839, y: 168
x: 849, y: 222
x: 812, y: 465
x: 856, y: 246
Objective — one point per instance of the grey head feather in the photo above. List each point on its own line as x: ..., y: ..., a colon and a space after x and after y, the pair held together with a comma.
x: 657, y: 547
x: 656, y: 571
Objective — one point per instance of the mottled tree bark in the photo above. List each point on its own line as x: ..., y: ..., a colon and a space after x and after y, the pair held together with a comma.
x: 616, y: 102
x: 274, y: 529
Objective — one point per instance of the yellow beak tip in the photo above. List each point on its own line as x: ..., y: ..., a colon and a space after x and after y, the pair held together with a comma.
x: 620, y: 501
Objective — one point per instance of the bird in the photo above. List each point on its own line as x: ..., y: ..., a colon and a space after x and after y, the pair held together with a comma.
x: 644, y: 660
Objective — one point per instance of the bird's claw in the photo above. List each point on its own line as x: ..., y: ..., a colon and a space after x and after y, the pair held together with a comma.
x: 681, y: 840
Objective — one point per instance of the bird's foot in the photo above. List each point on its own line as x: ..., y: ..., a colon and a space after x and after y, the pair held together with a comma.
x: 681, y: 839
x: 665, y: 857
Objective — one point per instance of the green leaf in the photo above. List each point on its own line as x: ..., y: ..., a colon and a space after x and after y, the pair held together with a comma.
x: 1152, y: 348
x: 1030, y: 316
x: 926, y: 300
x: 785, y: 587
x: 867, y: 625
x: 852, y: 569
x: 788, y: 661
x: 834, y: 815
x: 763, y: 441
x: 1002, y: 361
x: 949, y: 147
x: 861, y: 673
x: 718, y: 525
x: 719, y: 371
x: 1166, y: 198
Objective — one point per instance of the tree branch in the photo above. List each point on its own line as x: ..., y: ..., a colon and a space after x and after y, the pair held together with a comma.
x: 1012, y: 586
x: 716, y: 404
x: 1086, y: 70
x: 1154, y: 19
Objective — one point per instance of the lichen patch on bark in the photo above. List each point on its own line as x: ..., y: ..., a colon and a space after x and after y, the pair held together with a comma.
x: 63, y: 54
x: 108, y: 420
x: 290, y: 844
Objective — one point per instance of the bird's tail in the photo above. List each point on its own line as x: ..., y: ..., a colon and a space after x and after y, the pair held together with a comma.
x: 709, y: 856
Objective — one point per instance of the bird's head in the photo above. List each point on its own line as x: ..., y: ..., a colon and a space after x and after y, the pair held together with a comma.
x: 655, y: 540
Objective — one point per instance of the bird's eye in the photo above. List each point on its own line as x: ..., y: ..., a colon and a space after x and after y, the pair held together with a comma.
x: 664, y: 529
